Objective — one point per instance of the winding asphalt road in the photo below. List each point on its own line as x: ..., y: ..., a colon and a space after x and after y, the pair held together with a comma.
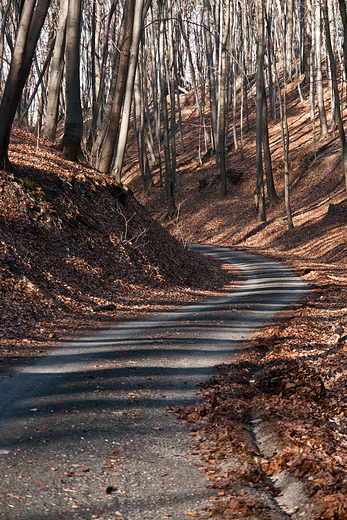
x: 84, y: 430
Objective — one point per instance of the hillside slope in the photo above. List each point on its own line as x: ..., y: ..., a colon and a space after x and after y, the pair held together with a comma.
x: 78, y: 253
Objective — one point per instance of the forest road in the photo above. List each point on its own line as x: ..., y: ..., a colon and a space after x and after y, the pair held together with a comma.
x: 84, y: 430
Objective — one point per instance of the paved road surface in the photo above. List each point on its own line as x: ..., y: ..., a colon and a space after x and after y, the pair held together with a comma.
x: 84, y: 430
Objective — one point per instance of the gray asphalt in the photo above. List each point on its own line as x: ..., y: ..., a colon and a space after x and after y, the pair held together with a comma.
x: 84, y: 430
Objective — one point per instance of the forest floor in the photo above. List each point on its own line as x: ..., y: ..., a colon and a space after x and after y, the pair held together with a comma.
x: 76, y: 255
x: 294, y: 375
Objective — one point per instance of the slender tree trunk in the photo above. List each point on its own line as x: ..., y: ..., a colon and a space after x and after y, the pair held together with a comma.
x: 343, y: 12
x: 172, y: 79
x: 180, y: 122
x: 148, y: 129
x: 140, y: 131
x: 319, y: 77
x: 95, y: 44
x: 312, y: 107
x: 194, y: 82
x: 286, y: 163
x: 71, y: 140
x: 222, y: 103
x: 56, y: 73
x: 123, y: 132
x: 297, y: 74
x: 272, y: 92
x: 31, y: 21
x: 271, y: 191
x: 211, y: 76
x: 99, y: 110
x: 335, y: 89
x: 246, y: 68
x: 106, y: 155
x: 289, y: 45
x: 285, y: 146
x: 169, y: 177
x: 307, y: 37
x: 155, y: 88
x: 107, y: 109
x: 4, y: 20
x: 42, y: 74
x: 259, y: 191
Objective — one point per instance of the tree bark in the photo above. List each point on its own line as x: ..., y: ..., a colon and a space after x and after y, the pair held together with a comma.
x: 211, y: 76
x: 335, y: 89
x: 271, y: 191
x: 31, y: 21
x: 259, y: 191
x: 343, y: 12
x: 289, y: 45
x: 56, y: 74
x: 169, y: 177
x: 71, y: 140
x: 222, y: 103
x: 4, y: 14
x: 147, y: 181
x: 319, y: 77
x: 99, y: 108
x: 106, y: 155
x: 123, y: 132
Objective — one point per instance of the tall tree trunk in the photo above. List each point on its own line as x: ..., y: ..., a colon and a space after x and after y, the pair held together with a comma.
x: 286, y: 162
x: 285, y: 145
x: 271, y: 86
x: 43, y: 76
x: 71, y: 140
x: 56, y: 74
x: 194, y: 83
x: 95, y: 45
x: 335, y: 89
x: 342, y: 4
x: 106, y: 155
x: 140, y: 128
x: 271, y: 191
x: 172, y: 79
x: 123, y: 132
x: 4, y: 20
x: 211, y: 76
x: 169, y: 177
x: 307, y: 37
x: 289, y: 44
x: 31, y: 21
x: 259, y: 191
x: 319, y: 77
x: 43, y: 73
x: 99, y: 108
x: 222, y: 103
x: 155, y: 89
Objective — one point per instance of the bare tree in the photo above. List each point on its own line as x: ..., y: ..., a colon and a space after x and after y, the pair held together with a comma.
x: 56, y: 74
x: 259, y: 191
x: 123, y: 132
x: 31, y: 21
x: 106, y: 155
x: 222, y: 102
x: 335, y: 88
x: 319, y: 77
x: 73, y: 130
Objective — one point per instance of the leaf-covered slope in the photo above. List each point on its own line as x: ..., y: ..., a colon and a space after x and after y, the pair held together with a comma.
x: 75, y: 246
